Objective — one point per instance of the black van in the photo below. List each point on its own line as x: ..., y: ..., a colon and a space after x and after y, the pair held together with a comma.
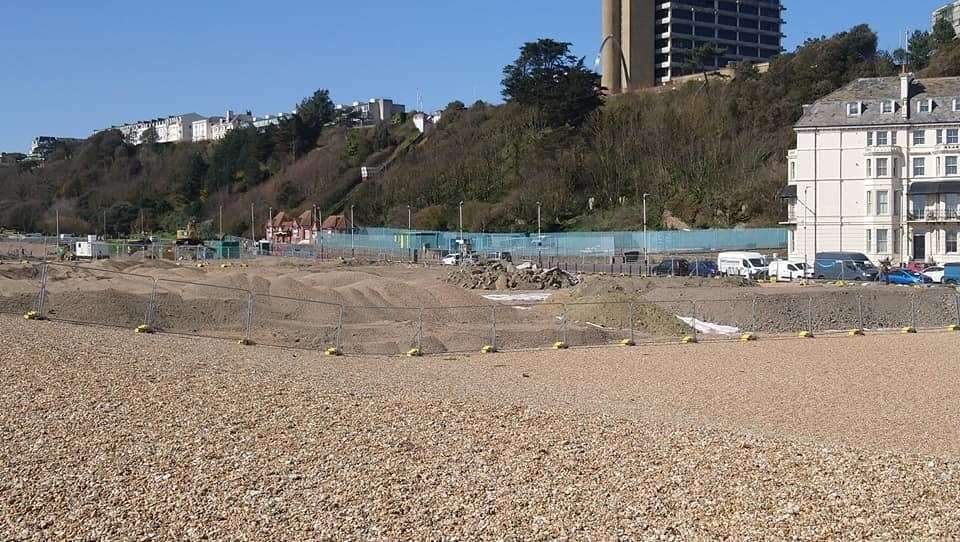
x: 844, y: 266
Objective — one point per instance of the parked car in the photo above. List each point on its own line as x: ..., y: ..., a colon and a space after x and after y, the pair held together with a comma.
x: 904, y: 277
x: 671, y: 268
x: 935, y: 273
x: 844, y: 266
x: 916, y: 266
x: 451, y: 259
x: 703, y: 268
x: 951, y: 274
x: 786, y: 271
x: 743, y: 264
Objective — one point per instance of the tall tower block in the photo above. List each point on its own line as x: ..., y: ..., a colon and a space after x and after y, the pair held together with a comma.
x: 637, y: 32
x: 610, y: 56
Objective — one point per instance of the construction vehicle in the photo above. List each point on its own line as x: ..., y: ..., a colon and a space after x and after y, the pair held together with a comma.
x: 189, y: 236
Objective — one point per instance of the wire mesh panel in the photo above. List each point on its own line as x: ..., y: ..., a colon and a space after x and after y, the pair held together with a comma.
x: 459, y: 329
x: 663, y: 319
x: 593, y: 324
x: 728, y: 318
x: 295, y: 323
x: 93, y: 295
x: 935, y: 308
x: 382, y: 330
x: 19, y: 287
x: 200, y: 309
x: 888, y: 308
x: 525, y: 326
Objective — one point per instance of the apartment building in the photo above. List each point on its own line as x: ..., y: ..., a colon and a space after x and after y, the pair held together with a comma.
x: 950, y: 12
x: 876, y: 169
x: 373, y: 111
x: 216, y: 128
x: 172, y: 129
x: 649, y: 42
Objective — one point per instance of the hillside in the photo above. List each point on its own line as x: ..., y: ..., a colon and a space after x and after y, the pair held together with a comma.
x: 712, y: 153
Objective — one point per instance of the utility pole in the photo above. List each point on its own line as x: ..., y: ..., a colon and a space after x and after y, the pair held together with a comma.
x: 462, y: 245
x: 58, y: 226
x: 352, y: 232
x: 104, y: 224
x: 539, y: 236
x: 221, y: 222
x: 409, y: 218
x: 253, y: 228
x: 646, y: 243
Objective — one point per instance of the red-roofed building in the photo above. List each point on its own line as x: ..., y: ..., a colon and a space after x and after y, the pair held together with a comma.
x: 288, y: 230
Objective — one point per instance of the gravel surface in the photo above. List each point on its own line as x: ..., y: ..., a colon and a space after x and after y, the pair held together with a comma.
x: 109, y: 435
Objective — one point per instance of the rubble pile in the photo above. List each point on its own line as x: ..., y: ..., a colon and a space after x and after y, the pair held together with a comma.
x: 505, y: 276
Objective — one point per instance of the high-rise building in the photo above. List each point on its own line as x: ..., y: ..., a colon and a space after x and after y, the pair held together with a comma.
x: 648, y: 42
x: 950, y: 12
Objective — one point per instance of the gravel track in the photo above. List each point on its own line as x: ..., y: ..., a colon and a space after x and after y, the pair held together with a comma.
x: 108, y: 435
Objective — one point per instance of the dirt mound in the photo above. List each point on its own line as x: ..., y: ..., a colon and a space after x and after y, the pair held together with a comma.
x: 504, y: 276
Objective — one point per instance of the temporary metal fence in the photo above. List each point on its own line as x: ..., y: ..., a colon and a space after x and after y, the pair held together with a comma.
x: 91, y: 295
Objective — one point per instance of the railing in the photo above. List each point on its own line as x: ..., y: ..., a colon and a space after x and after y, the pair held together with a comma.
x: 934, y: 216
x: 242, y: 311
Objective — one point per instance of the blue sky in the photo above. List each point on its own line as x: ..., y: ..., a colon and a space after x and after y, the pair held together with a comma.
x: 68, y: 67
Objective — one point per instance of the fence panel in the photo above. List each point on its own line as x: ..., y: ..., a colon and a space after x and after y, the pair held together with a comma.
x: 666, y: 320
x: 19, y: 287
x: 459, y: 329
x: 93, y: 295
x: 198, y: 309
x: 383, y: 330
x: 594, y: 324
x: 888, y: 308
x: 294, y: 322
x: 936, y: 308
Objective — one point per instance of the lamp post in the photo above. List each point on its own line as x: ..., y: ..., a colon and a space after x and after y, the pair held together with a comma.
x: 646, y: 242
x: 461, y: 229
x: 539, y: 236
x: 353, y: 230
x: 270, y: 225
x: 409, y: 218
x: 221, y: 222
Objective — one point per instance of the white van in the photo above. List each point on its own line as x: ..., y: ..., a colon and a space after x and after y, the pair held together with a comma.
x: 786, y: 271
x: 742, y: 264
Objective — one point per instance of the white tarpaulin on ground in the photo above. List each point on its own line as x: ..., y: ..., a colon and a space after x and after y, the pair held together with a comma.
x: 709, y: 329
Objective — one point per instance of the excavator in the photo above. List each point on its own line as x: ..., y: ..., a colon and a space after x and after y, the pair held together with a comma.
x: 189, y: 236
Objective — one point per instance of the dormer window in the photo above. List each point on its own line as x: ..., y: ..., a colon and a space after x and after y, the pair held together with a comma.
x: 854, y: 109
x: 924, y: 106
x: 887, y: 107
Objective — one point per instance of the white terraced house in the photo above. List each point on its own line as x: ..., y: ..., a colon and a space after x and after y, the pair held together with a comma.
x: 875, y: 170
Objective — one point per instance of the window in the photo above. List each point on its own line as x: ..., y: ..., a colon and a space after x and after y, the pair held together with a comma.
x: 919, y: 167
x: 953, y: 136
x: 881, y: 241
x: 853, y: 109
x: 956, y: 105
x: 951, y: 242
x: 869, y: 139
x: 883, y: 138
x: 952, y: 201
x: 893, y: 137
x: 918, y: 204
x: 939, y: 137
x: 882, y: 169
x: 793, y: 170
x: 883, y: 205
x: 886, y: 106
x: 869, y: 202
x: 950, y: 164
x: 919, y: 137
x: 869, y: 240
x: 924, y: 106
x: 869, y: 168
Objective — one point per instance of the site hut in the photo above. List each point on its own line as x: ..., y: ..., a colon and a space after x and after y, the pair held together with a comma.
x: 875, y: 170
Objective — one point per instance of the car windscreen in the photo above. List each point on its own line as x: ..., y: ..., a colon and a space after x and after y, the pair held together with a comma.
x: 756, y: 262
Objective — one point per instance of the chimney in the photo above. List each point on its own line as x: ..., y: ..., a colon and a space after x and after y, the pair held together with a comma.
x: 906, y: 81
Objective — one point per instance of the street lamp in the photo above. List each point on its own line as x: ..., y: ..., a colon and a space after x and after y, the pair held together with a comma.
x: 409, y: 219
x: 461, y: 228
x: 353, y: 229
x: 646, y: 243
x: 539, y: 236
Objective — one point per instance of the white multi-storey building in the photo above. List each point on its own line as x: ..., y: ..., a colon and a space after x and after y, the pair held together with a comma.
x: 877, y: 170
x: 216, y: 128
x: 173, y: 129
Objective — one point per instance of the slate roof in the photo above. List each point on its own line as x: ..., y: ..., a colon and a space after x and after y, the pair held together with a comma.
x: 831, y: 110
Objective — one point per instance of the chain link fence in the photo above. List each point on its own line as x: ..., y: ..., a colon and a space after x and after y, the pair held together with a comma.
x: 80, y: 294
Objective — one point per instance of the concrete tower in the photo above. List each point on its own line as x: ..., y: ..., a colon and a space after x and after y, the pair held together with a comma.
x: 628, y: 29
x: 610, y: 55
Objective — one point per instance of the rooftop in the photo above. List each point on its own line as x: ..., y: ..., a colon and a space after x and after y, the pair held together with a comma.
x: 831, y: 109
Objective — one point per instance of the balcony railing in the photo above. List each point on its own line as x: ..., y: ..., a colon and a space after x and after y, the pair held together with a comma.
x: 934, y: 216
